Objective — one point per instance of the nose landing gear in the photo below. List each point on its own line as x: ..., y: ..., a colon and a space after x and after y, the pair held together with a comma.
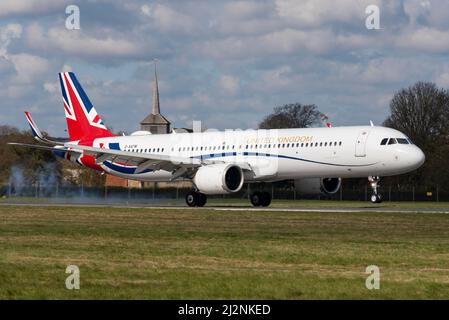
x: 376, y: 197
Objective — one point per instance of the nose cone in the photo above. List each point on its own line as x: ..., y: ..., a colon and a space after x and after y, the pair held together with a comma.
x: 416, y: 158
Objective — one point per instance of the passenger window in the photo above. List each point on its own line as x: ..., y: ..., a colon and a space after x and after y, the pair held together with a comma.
x: 384, y: 141
x: 392, y: 141
x: 339, y: 143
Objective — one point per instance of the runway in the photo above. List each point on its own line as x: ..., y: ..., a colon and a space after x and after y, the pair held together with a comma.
x: 372, y: 209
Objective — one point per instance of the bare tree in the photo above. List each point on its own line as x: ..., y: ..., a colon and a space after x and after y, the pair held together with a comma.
x: 293, y: 115
x: 421, y: 111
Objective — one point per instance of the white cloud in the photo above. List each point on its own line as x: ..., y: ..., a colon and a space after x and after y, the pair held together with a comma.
x: 7, y: 33
x: 77, y: 42
x: 51, y: 87
x: 442, y: 77
x: 318, y: 13
x: 243, y: 10
x: 169, y: 20
x: 29, y: 67
x: 229, y: 84
x: 424, y: 39
x: 24, y: 7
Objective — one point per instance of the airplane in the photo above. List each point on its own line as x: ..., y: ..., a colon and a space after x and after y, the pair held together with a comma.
x: 221, y: 162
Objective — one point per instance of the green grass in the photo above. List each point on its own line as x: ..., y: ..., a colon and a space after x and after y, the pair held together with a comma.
x: 334, y: 204
x: 233, y: 202
x: 199, y: 254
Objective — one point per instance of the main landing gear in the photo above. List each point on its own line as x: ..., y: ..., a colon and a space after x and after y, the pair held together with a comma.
x: 196, y: 199
x: 260, y: 199
x: 376, y: 197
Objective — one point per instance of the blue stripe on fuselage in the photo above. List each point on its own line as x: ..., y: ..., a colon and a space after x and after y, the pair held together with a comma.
x: 262, y: 154
x: 125, y: 170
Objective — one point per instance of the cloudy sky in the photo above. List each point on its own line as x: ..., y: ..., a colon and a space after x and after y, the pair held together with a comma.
x: 226, y: 63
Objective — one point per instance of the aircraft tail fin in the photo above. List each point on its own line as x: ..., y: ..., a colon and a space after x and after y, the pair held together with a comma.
x: 83, y: 121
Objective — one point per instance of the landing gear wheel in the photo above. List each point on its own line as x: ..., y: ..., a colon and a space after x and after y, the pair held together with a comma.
x: 266, y: 199
x: 192, y: 198
x: 202, y: 199
x: 376, y: 198
x: 196, y: 199
x: 256, y: 199
x: 260, y: 199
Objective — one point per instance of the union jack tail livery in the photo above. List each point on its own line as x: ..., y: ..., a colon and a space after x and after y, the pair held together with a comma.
x: 83, y: 121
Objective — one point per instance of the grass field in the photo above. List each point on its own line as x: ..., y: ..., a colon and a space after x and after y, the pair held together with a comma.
x: 199, y: 254
x: 235, y: 202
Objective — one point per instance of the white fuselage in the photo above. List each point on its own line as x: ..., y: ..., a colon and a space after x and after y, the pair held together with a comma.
x: 278, y: 154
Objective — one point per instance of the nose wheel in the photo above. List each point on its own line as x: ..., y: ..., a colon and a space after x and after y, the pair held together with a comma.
x: 376, y: 197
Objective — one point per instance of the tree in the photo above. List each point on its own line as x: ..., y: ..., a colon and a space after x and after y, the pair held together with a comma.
x: 293, y: 115
x: 32, y: 163
x: 421, y: 111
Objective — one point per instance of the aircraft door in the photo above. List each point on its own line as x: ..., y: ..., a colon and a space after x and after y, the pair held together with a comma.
x: 360, y: 143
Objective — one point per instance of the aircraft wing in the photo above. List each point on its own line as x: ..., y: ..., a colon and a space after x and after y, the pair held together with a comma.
x: 38, y: 146
x: 143, y: 161
x: 178, y: 165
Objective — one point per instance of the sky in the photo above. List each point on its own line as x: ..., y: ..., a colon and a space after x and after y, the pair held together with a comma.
x: 225, y: 63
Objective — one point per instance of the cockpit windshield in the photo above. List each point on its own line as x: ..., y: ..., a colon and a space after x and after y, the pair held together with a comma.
x: 388, y: 141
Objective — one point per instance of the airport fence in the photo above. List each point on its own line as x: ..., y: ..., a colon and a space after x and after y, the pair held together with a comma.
x: 280, y: 191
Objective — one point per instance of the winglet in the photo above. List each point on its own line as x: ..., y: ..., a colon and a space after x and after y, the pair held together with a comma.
x: 37, y: 132
x: 34, y: 129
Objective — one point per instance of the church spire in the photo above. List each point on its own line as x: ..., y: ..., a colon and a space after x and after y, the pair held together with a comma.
x: 155, y: 108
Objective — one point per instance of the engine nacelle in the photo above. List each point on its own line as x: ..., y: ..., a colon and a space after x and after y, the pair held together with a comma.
x: 219, y: 178
x: 313, y: 186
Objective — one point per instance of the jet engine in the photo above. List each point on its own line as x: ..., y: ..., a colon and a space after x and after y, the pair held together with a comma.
x: 219, y: 178
x: 312, y: 186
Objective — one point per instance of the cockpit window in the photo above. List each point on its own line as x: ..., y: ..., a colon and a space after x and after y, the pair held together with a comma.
x: 392, y: 141
x: 402, y: 141
x: 384, y: 141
